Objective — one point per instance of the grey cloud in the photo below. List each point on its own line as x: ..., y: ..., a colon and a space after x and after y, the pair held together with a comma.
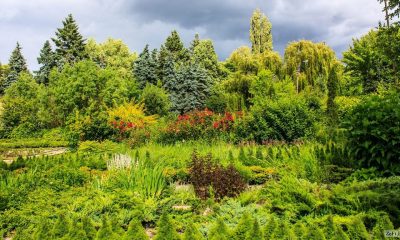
x: 138, y: 22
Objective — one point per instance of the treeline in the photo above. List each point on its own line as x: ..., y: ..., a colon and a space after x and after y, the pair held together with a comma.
x: 300, y: 95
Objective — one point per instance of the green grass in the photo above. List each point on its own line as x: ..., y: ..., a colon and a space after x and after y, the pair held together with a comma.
x: 30, y: 143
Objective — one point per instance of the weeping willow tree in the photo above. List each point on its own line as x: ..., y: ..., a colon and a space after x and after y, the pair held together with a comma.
x: 271, y: 61
x: 242, y: 60
x: 308, y: 63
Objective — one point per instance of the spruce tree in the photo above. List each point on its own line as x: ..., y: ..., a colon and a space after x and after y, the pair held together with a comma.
x: 219, y: 231
x: 47, y: 61
x: 174, y: 45
x: 255, y: 232
x: 192, y: 89
x: 135, y: 231
x: 145, y: 68
x: 260, y: 33
x: 17, y: 65
x: 194, y: 43
x: 70, y: 45
x: 166, y: 230
x: 162, y: 62
x: 205, y: 56
x: 243, y: 228
x: 192, y: 233
x: 170, y: 77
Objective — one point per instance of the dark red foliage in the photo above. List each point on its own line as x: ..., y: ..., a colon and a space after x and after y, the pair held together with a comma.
x: 205, y: 175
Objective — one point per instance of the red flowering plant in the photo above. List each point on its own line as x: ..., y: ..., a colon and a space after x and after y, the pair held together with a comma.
x: 198, y: 124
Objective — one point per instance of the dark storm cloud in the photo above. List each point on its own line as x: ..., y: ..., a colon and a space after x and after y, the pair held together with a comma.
x: 334, y: 22
x: 138, y: 22
x: 222, y: 19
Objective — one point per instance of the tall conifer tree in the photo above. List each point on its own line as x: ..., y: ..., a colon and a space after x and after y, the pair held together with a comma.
x: 145, y: 68
x: 192, y: 89
x: 17, y: 64
x: 174, y: 45
x: 70, y: 45
x: 47, y: 61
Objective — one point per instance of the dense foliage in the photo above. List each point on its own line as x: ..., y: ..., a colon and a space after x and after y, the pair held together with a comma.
x: 171, y: 143
x: 373, y: 133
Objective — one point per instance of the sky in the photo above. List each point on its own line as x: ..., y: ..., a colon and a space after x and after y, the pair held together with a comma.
x: 226, y: 22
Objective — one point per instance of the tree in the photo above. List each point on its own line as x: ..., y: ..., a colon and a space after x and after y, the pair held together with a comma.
x: 135, y: 231
x: 47, y: 61
x: 262, y: 87
x: 364, y: 62
x: 204, y: 55
x: 170, y: 76
x: 242, y: 60
x: 17, y: 65
x: 145, y: 69
x: 260, y: 33
x: 192, y: 89
x: 307, y: 62
x: 4, y: 71
x: 85, y: 85
x: 21, y: 105
x: 156, y: 100
x: 386, y: 10
x: 391, y: 9
x: 70, y: 45
x: 166, y: 229
x: 194, y: 43
x: 271, y: 61
x: 112, y: 53
x: 174, y: 45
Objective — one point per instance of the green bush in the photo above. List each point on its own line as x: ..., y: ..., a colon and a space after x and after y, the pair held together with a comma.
x: 282, y: 120
x: 156, y: 100
x: 373, y: 133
